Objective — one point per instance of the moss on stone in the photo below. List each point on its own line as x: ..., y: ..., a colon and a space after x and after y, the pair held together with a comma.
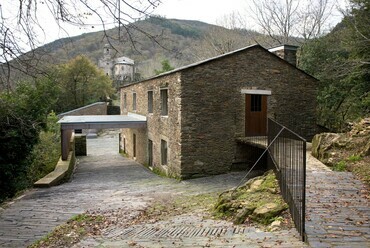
x: 257, y: 199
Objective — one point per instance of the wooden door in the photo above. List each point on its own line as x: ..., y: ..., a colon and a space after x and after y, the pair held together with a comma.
x: 255, y: 115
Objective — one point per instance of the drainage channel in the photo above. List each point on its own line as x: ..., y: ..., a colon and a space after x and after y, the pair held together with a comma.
x: 179, y: 231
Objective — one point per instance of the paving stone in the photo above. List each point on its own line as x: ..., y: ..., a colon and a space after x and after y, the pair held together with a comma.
x: 337, y: 216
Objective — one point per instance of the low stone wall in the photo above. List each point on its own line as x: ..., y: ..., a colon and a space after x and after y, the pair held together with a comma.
x: 62, y: 171
x: 98, y: 108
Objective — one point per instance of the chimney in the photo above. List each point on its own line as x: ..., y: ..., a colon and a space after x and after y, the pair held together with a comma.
x: 286, y: 52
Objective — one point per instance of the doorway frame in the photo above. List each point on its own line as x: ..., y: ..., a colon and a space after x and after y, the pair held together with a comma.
x: 262, y: 92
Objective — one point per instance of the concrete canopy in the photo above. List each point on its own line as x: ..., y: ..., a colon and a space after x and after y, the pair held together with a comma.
x: 102, y: 121
x: 69, y: 123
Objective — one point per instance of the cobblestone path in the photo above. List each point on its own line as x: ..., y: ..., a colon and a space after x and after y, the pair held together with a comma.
x: 337, y: 212
x: 110, y: 182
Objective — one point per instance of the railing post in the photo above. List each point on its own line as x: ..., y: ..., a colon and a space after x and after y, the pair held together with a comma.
x: 304, y: 193
x: 290, y: 161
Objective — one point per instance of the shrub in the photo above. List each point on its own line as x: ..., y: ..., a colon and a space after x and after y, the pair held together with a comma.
x: 46, y: 152
x: 340, y: 166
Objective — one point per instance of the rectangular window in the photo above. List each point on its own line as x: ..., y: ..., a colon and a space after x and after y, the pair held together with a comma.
x: 164, y: 101
x: 256, y: 103
x: 150, y: 101
x: 134, y: 144
x: 163, y: 152
x: 134, y: 101
x: 150, y: 153
x: 125, y: 101
x: 124, y: 145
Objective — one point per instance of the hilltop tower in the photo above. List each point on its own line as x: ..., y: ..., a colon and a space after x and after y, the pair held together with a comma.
x: 120, y: 69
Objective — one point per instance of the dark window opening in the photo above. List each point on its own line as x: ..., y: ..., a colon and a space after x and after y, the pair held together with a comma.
x: 133, y: 101
x: 134, y: 144
x: 256, y: 103
x: 163, y: 152
x: 150, y: 101
x: 124, y: 100
x: 150, y: 153
x: 164, y: 102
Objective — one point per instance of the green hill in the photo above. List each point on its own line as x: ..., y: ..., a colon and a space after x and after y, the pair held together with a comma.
x: 148, y: 42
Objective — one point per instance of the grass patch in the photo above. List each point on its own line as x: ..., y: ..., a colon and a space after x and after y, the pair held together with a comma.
x: 70, y: 233
x: 123, y: 154
x: 354, y: 158
x: 164, y: 208
x: 340, y: 166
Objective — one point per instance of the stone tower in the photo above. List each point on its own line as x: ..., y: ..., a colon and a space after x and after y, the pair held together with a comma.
x: 106, y: 62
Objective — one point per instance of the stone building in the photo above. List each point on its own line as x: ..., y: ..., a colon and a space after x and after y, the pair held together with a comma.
x: 196, y: 114
x: 120, y: 69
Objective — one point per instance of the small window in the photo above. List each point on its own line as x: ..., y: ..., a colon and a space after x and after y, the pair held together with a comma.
x: 164, y: 101
x: 150, y: 101
x: 163, y: 152
x: 134, y: 101
x: 125, y: 101
x: 256, y: 103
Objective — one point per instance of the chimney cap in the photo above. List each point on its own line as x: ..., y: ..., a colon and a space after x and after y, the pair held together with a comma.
x: 283, y: 47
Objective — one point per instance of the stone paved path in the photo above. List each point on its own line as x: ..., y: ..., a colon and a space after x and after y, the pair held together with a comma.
x: 338, y: 214
x: 108, y: 182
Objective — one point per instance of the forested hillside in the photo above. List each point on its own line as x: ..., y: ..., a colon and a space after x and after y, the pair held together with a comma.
x: 341, y: 61
x: 155, y: 39
x: 148, y: 42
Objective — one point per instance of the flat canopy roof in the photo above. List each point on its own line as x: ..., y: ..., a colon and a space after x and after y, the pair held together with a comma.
x: 102, y: 121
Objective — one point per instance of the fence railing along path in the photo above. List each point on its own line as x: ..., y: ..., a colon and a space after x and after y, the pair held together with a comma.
x: 287, y: 154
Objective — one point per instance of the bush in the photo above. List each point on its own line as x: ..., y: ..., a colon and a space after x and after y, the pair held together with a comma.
x: 46, y: 152
x: 22, y: 116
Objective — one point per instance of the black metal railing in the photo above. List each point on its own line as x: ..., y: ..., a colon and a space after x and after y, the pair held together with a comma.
x: 287, y: 152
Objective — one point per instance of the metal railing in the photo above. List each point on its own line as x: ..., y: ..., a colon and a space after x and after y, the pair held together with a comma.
x: 287, y: 152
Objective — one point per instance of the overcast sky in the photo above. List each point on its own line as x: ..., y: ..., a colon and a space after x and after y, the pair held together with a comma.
x: 202, y: 10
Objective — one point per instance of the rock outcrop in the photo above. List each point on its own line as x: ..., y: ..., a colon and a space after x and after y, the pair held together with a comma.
x: 258, y: 200
x: 346, y: 151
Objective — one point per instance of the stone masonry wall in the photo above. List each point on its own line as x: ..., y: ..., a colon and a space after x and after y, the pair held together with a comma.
x: 98, y: 108
x: 158, y: 127
x: 213, y: 108
x: 288, y: 55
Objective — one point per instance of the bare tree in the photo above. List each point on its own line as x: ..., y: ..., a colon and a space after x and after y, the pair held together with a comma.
x: 283, y: 19
x: 232, y: 21
x: 22, y: 30
x: 314, y: 17
x: 216, y: 41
